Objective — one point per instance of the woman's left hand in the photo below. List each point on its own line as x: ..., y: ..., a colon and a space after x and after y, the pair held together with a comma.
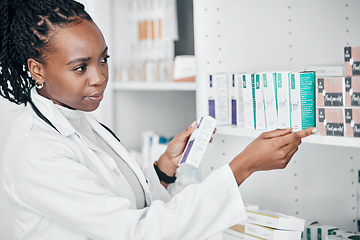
x: 168, y: 162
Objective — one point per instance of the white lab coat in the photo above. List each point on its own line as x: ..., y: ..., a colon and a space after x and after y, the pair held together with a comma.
x: 62, y: 186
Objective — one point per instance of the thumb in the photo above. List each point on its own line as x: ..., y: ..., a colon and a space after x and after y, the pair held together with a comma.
x: 278, y: 132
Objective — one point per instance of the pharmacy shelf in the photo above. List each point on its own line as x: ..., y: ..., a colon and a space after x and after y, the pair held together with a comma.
x: 155, y: 86
x: 315, y: 139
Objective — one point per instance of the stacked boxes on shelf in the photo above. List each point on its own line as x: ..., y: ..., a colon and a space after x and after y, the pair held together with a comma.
x: 263, y: 101
x: 339, y: 99
x: 316, y: 231
x: 267, y: 224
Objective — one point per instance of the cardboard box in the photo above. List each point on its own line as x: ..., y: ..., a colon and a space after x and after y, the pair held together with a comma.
x: 218, y: 98
x: 236, y: 100
x: 283, y: 100
x: 248, y: 91
x: 198, y: 141
x: 352, y: 61
x: 330, y: 91
x: 277, y: 220
x: 270, y: 99
x: 352, y: 122
x: 352, y: 91
x: 331, y: 121
x: 324, y: 231
x: 259, y: 104
x: 302, y: 100
x: 327, y: 71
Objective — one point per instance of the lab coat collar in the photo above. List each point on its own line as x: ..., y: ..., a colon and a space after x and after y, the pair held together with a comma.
x: 55, y: 116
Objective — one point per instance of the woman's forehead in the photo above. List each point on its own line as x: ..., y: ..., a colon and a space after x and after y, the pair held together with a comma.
x: 80, y: 40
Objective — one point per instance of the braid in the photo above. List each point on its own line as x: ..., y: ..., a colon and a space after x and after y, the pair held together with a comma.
x: 26, y: 27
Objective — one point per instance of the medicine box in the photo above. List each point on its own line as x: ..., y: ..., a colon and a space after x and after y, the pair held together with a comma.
x: 270, y: 99
x: 283, y: 101
x: 248, y: 93
x: 259, y: 103
x: 236, y: 100
x: 352, y: 91
x: 324, y: 230
x: 330, y: 91
x: 352, y: 122
x: 302, y: 100
x: 218, y: 98
x: 198, y: 141
x: 331, y: 121
x: 352, y: 61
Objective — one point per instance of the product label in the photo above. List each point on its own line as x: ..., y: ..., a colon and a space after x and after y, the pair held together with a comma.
x: 347, y: 84
x: 347, y: 54
x: 233, y: 80
x: 355, y: 99
x: 212, y: 108
x: 279, y: 83
x: 335, y: 129
x: 333, y: 99
x: 244, y: 81
x: 292, y: 81
x: 357, y: 130
x: 211, y: 82
x: 321, y: 114
x: 265, y: 80
x: 320, y: 85
x: 233, y: 112
x: 257, y: 83
x: 348, y: 115
x: 356, y: 68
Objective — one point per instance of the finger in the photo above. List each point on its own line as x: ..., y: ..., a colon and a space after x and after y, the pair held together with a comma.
x: 277, y: 133
x: 306, y: 132
x: 288, y: 139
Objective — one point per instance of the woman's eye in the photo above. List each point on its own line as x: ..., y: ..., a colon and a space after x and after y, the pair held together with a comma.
x: 81, y: 68
x: 104, y: 60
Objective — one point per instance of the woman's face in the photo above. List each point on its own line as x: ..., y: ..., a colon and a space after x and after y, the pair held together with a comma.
x: 75, y: 72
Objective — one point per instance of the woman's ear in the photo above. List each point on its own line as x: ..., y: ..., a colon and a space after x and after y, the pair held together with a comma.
x: 36, y: 70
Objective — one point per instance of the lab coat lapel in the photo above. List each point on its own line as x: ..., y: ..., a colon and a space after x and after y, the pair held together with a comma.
x: 123, y: 153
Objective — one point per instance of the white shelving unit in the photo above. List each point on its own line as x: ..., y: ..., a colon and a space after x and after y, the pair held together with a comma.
x: 164, y: 107
x: 314, y: 139
x: 232, y: 36
x: 155, y: 86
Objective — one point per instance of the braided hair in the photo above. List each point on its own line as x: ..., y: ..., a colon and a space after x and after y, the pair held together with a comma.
x: 26, y: 28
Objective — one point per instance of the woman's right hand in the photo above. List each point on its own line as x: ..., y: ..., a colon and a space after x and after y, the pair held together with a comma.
x: 271, y: 150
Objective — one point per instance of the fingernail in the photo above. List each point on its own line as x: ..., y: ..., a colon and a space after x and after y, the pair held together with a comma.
x: 193, y: 124
x: 315, y: 130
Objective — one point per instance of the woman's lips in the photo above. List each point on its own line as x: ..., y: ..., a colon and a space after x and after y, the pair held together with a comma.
x: 96, y: 97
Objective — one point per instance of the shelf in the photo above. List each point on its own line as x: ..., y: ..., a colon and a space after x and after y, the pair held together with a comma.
x: 155, y: 86
x: 314, y: 139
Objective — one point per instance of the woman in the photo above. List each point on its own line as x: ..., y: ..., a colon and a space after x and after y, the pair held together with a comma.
x: 66, y: 175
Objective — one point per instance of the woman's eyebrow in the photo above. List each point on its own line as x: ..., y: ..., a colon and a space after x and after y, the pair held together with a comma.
x: 85, y: 59
x: 82, y: 59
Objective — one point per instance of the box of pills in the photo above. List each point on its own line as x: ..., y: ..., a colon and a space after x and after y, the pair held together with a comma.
x: 331, y: 121
x: 352, y: 91
x: 198, y: 141
x: 324, y: 230
x: 218, y: 98
x: 352, y: 122
x: 248, y: 93
x: 302, y: 100
x: 270, y: 99
x: 236, y: 100
x: 327, y: 71
x: 283, y: 101
x: 259, y: 103
x: 330, y: 91
x: 352, y: 61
